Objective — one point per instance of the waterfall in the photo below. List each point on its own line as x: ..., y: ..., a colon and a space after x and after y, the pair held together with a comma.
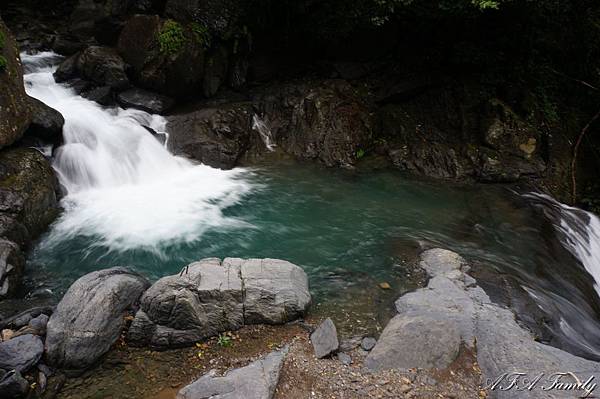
x: 265, y: 132
x: 122, y: 186
x: 578, y: 232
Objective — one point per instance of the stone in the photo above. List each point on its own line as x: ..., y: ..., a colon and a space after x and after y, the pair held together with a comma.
x: 344, y: 358
x: 46, y: 123
x: 103, y: 95
x: 13, y: 385
x: 275, y: 291
x: 21, y: 353
x: 257, y: 380
x: 89, y: 318
x: 67, y: 69
x: 39, y: 323
x: 145, y: 100
x: 12, y: 265
x: 15, y: 108
x: 103, y: 66
x: 217, y: 136
x: 324, y: 339
x: 368, y: 343
x: 213, y: 296
x: 182, y: 309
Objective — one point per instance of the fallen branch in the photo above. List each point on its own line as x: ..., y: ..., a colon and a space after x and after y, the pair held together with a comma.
x: 583, y: 82
x: 575, y: 153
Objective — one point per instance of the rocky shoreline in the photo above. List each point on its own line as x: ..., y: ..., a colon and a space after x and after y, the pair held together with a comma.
x: 437, y: 328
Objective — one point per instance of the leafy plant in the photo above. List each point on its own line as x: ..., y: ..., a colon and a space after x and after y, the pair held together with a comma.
x: 171, y: 37
x: 360, y: 153
x: 224, y: 340
x: 201, y: 34
x: 1, y: 40
x: 3, y: 63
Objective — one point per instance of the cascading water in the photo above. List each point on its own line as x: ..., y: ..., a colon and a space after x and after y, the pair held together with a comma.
x: 264, y: 131
x: 122, y: 186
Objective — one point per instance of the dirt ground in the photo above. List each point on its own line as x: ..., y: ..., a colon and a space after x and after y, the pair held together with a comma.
x: 145, y: 374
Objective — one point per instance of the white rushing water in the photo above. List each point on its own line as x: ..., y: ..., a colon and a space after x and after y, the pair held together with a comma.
x: 264, y: 131
x: 123, y: 187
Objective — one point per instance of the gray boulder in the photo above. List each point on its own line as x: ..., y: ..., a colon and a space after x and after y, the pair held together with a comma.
x: 89, y: 318
x: 12, y: 264
x: 21, y: 353
x: 211, y: 296
x: 12, y: 385
x: 178, y: 310
x: 47, y: 123
x: 433, y: 322
x: 145, y: 100
x: 257, y: 380
x: 275, y: 291
x: 324, y: 339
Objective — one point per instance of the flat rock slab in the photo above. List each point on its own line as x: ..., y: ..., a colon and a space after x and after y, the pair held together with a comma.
x: 212, y: 296
x: 433, y: 322
x: 324, y: 339
x: 89, y: 318
x: 257, y: 380
x: 145, y: 100
x: 21, y: 353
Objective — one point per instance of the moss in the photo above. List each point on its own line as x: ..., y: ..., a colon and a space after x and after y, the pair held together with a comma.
x: 3, y: 63
x: 201, y: 34
x: 171, y: 38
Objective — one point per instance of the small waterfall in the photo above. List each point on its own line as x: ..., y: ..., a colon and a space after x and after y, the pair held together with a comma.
x: 123, y: 187
x: 578, y: 230
x: 265, y: 132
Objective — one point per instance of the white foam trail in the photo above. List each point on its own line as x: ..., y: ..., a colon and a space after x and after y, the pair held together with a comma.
x: 123, y: 186
x: 579, y: 234
x: 264, y: 131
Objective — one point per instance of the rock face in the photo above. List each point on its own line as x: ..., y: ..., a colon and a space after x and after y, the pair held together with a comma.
x: 321, y: 120
x: 103, y: 66
x: 257, y: 380
x: 15, y: 109
x: 89, y: 318
x: 217, y: 136
x: 28, y: 204
x: 433, y: 322
x: 324, y: 339
x: 211, y: 296
x: 145, y: 100
x: 21, y: 353
x: 46, y: 124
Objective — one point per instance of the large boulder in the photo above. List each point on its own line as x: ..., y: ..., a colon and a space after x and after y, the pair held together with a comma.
x: 12, y: 385
x: 21, y: 353
x: 220, y: 16
x: 213, y: 296
x: 12, y: 265
x: 46, y: 123
x: 145, y: 100
x: 257, y: 380
x: 321, y: 120
x: 177, y: 310
x: 216, y: 136
x: 103, y: 66
x: 433, y: 322
x: 324, y: 339
x: 90, y: 317
x: 15, y: 109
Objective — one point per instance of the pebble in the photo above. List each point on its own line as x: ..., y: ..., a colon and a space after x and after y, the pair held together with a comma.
x: 344, y: 358
x: 368, y: 343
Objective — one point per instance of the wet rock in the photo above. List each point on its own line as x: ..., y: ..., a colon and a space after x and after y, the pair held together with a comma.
x: 368, y: 343
x: 324, y: 339
x: 179, y: 310
x: 67, y: 69
x: 210, y: 297
x: 103, y: 66
x: 15, y: 108
x: 217, y: 136
x: 24, y: 318
x: 257, y: 380
x: 13, y: 385
x: 47, y: 123
x: 275, y: 291
x: 145, y: 100
x: 12, y: 264
x: 102, y: 95
x: 21, y: 353
x: 89, y: 318
x: 321, y: 120
x: 39, y: 324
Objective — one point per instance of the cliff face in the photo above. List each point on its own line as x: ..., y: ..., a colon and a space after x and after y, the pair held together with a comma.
x: 15, y: 111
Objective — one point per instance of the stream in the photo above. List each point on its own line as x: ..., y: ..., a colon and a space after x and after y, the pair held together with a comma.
x: 129, y: 202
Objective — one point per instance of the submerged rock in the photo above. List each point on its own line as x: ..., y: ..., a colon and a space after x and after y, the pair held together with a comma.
x: 257, y: 380
x: 21, y: 353
x: 145, y: 100
x: 211, y: 296
x: 324, y: 339
x: 89, y: 318
x: 433, y: 322
x: 15, y: 109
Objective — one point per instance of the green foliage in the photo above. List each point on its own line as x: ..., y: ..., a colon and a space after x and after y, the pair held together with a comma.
x: 1, y: 40
x: 224, y: 340
x: 360, y: 153
x: 171, y: 38
x: 201, y: 34
x: 3, y: 63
